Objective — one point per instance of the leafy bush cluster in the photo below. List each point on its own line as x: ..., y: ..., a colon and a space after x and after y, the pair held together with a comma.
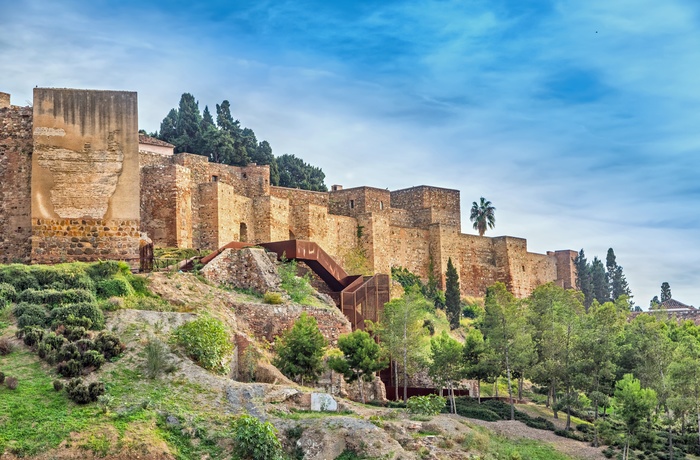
x: 494, y: 410
x: 426, y: 405
x: 273, y: 298
x: 206, y: 341
x: 255, y: 440
x: 298, y: 288
x: 81, y: 393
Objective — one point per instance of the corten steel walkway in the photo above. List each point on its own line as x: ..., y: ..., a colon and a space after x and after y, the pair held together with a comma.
x: 359, y: 298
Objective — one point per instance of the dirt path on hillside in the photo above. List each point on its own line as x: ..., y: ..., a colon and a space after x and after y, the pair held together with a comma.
x: 515, y: 429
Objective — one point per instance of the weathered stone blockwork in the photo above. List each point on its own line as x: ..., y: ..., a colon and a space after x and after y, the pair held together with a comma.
x: 15, y: 178
x: 92, y: 191
x: 85, y: 168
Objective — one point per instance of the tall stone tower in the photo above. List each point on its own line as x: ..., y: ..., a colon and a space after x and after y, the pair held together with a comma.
x: 85, y: 183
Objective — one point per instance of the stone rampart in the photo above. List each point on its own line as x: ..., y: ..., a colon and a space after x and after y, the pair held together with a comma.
x: 16, y: 145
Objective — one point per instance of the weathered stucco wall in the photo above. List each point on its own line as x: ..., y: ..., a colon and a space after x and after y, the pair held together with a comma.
x: 16, y: 144
x: 85, y: 175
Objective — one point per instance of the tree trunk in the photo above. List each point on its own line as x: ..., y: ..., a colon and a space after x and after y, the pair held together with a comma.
x: 396, y: 380
x: 520, y: 388
x: 554, y: 398
x: 549, y: 397
x: 670, y: 434
x: 362, y: 389
x: 453, y: 406
x: 495, y: 386
x: 405, y: 362
x: 510, y: 388
x: 478, y: 390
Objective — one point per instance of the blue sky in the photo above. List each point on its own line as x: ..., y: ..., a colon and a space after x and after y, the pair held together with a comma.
x: 579, y: 120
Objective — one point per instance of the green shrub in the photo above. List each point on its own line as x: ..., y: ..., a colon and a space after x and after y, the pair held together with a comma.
x: 273, y: 298
x: 85, y: 345
x: 68, y: 351
x: 109, y: 345
x: 2, y: 377
x: 425, y: 405
x: 59, y: 315
x: 255, y: 440
x: 107, y: 269
x: 73, y: 322
x: 30, y: 315
x: 54, y: 341
x: 92, y: 358
x: 31, y: 335
x: 80, y: 393
x: 297, y: 287
x: 74, y: 333
x: 139, y: 284
x: 8, y: 294
x: 62, y: 276
x: 57, y: 385
x: 19, y: 276
x: 114, y: 287
x: 156, y: 358
x: 206, y: 341
x: 70, y: 368
x: 53, y: 297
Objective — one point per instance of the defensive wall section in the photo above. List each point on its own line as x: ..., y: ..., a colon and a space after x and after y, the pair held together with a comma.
x: 77, y: 182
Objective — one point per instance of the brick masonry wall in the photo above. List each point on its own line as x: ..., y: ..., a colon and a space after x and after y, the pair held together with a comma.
x: 297, y: 196
x: 16, y: 145
x: 445, y: 204
x: 60, y: 240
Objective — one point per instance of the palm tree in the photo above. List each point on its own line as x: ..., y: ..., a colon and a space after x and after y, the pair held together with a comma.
x: 483, y: 215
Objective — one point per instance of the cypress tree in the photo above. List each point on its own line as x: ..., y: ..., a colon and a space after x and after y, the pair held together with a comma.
x: 452, y: 304
x: 583, y: 278
x: 665, y: 291
x: 599, y: 281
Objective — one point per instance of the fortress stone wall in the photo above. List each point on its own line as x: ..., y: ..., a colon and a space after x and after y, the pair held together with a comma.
x: 92, y: 192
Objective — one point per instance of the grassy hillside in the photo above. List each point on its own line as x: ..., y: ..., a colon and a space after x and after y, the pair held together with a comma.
x: 184, y: 411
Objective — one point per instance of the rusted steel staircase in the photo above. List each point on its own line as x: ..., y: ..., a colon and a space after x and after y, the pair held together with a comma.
x: 359, y: 298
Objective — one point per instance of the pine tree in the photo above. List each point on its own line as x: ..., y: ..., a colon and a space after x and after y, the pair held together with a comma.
x: 617, y: 283
x: 665, y: 291
x: 583, y: 278
x: 599, y: 281
x: 361, y: 358
x: 300, y: 350
x: 452, y: 301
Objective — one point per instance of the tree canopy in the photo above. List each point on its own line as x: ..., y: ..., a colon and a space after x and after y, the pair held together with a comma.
x: 483, y: 215
x: 226, y: 141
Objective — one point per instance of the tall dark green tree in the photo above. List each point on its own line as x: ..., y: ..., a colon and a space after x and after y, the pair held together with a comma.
x: 617, y: 282
x: 583, y: 278
x: 599, y: 281
x: 295, y: 173
x: 262, y: 155
x: 665, y: 291
x: 168, y: 127
x: 189, y: 121
x: 453, y: 308
x: 483, y: 215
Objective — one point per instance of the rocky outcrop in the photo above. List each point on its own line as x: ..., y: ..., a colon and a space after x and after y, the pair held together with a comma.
x: 249, y: 268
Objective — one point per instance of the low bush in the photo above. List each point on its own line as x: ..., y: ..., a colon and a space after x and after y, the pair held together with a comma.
x: 85, y: 345
x: 114, y: 287
x: 30, y: 315
x: 273, y: 298
x: 256, y: 440
x: 53, y: 297
x: 20, y: 276
x: 8, y: 294
x: 11, y: 383
x: 31, y: 335
x: 2, y: 378
x: 57, y: 385
x: 6, y: 347
x: 206, y: 341
x: 92, y: 358
x: 425, y: 405
x: 54, y: 341
x: 297, y: 287
x: 109, y: 345
x: 107, y: 269
x: 60, y: 315
x: 68, y: 352
x: 70, y: 368
x: 73, y: 333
